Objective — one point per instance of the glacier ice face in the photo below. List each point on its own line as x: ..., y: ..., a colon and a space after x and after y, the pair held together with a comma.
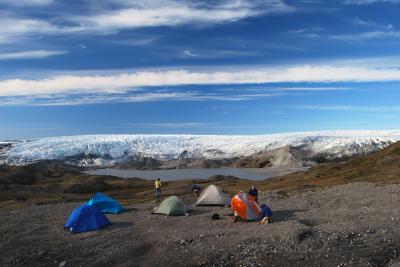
x: 105, y: 150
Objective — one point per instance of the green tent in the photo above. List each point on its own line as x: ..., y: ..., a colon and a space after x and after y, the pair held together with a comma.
x: 172, y: 206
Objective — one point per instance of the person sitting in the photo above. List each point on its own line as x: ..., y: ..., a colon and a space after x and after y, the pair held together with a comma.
x: 196, y: 189
x: 265, y: 215
x: 254, y: 193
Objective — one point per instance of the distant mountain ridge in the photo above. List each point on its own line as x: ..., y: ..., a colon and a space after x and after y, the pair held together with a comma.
x: 174, y: 151
x: 379, y: 167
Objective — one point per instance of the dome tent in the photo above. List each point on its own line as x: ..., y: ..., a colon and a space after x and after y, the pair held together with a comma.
x: 86, y: 218
x: 172, y: 205
x: 105, y: 203
x: 213, y: 195
x: 245, y: 207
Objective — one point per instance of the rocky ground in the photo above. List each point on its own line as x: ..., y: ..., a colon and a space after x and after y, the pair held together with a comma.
x: 348, y: 225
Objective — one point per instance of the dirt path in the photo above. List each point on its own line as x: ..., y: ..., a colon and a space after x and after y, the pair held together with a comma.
x: 355, y: 225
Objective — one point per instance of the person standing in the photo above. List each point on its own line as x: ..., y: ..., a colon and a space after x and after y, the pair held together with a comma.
x: 157, y: 185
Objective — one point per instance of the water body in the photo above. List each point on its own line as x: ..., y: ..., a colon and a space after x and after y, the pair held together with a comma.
x: 180, y: 174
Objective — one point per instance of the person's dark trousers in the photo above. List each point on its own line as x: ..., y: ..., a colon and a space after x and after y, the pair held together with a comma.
x: 158, y: 193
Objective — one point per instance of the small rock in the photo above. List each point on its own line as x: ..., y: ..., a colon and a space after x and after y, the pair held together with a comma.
x: 62, y: 264
x: 41, y: 253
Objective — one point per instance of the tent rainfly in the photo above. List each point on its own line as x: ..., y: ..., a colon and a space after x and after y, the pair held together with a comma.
x: 245, y: 207
x: 172, y: 205
x: 213, y: 195
x: 86, y: 218
x: 105, y: 203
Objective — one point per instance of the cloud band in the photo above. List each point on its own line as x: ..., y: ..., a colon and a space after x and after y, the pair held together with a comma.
x: 72, y: 84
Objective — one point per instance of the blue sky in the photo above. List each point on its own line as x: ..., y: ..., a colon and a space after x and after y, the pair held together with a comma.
x: 197, y: 67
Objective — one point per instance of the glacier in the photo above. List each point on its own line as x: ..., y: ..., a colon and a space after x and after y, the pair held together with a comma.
x: 106, y: 150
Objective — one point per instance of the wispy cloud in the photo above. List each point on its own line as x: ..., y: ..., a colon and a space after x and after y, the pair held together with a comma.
x: 377, y: 34
x: 286, y: 90
x: 189, y: 53
x: 137, y: 41
x: 173, y: 13
x: 377, y: 31
x: 387, y: 62
x: 72, y: 84
x: 132, y: 15
x: 34, y: 54
x: 14, y: 28
x: 149, y: 95
x: 350, y: 108
x: 28, y: 2
x: 307, y: 32
x: 315, y: 89
x: 171, y: 125
x: 369, y: 23
x: 366, y: 2
x: 216, y: 54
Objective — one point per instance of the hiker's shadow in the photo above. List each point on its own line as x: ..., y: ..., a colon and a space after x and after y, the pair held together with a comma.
x: 284, y: 215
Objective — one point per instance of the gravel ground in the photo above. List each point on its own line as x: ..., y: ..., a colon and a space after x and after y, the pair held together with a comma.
x: 349, y: 225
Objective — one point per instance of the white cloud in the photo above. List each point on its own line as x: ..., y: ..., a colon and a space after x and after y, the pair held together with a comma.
x: 34, y: 54
x: 122, y: 82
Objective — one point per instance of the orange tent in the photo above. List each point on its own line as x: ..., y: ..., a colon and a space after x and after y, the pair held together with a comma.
x: 245, y: 207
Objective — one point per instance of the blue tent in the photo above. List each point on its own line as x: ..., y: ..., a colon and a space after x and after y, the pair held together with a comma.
x: 86, y: 218
x: 105, y: 203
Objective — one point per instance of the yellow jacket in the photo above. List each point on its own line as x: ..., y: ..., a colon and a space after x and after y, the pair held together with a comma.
x: 157, y: 183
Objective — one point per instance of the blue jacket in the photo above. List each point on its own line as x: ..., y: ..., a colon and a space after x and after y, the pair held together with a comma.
x: 265, y: 211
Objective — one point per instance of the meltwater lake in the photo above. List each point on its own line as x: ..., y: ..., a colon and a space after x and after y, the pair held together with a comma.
x: 180, y: 174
